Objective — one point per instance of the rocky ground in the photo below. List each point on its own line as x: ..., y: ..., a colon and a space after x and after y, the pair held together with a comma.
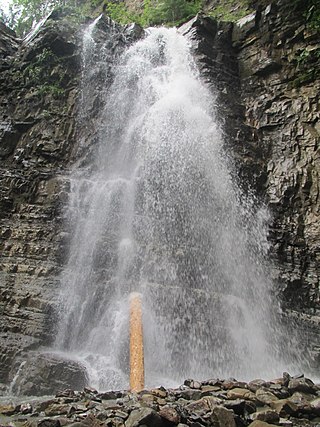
x: 287, y: 401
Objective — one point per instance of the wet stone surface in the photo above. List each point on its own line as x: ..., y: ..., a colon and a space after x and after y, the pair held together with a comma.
x: 227, y: 403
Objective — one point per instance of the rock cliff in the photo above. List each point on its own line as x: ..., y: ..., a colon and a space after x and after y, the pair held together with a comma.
x: 38, y: 90
x: 264, y: 69
x: 278, y: 57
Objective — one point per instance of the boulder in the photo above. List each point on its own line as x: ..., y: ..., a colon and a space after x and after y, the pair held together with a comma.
x: 203, y: 405
x: 222, y: 417
x: 266, y: 415
x: 169, y: 414
x: 47, y: 373
x: 284, y: 407
x: 303, y: 385
x: 240, y: 393
x: 265, y: 397
x: 144, y: 416
x: 258, y: 423
x: 254, y: 385
x: 315, y: 405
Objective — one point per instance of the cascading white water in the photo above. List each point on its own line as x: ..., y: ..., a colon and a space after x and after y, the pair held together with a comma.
x: 159, y: 213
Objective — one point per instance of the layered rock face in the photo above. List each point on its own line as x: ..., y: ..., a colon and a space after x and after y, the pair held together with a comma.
x: 278, y: 57
x: 38, y: 87
x: 265, y: 68
x: 268, y: 96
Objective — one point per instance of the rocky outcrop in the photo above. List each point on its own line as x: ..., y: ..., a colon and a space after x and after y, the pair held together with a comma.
x: 38, y: 86
x: 278, y: 57
x: 264, y: 70
x: 47, y: 373
x: 285, y: 401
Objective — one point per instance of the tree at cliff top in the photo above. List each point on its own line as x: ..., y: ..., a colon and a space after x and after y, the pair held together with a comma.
x: 25, y: 14
x: 154, y: 12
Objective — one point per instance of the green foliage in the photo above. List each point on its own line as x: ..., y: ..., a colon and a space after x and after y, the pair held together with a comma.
x: 38, y: 70
x: 313, y: 15
x: 307, y: 64
x: 231, y: 10
x: 154, y: 12
x: 45, y: 74
x: 307, y: 57
x: 52, y: 89
x: 26, y: 13
x: 310, y: 10
x: 120, y: 13
x: 177, y: 10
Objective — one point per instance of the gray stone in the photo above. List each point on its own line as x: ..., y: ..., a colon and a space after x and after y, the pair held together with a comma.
x: 203, y: 405
x: 190, y: 394
x: 284, y: 407
x: 192, y: 384
x: 49, y: 423
x: 170, y: 414
x: 56, y: 409
x: 315, y: 405
x: 303, y: 385
x: 237, y: 406
x: 144, y: 416
x: 258, y: 423
x: 221, y: 417
x: 240, y: 393
x: 44, y: 374
x: 255, y: 385
x: 266, y: 415
x: 265, y: 397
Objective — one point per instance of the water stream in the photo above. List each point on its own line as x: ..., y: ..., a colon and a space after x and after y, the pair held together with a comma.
x: 157, y: 212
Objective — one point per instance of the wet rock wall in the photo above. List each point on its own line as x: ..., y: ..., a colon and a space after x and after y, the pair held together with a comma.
x: 38, y: 83
x: 278, y: 56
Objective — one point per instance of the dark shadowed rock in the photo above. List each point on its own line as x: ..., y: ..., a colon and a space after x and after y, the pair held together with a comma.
x: 169, y: 414
x: 264, y: 396
x: 222, y: 417
x: 266, y: 415
x: 144, y: 416
x: 45, y: 374
x: 49, y: 423
x: 258, y: 423
x: 302, y: 384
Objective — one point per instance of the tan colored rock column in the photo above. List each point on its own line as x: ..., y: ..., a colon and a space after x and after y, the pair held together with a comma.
x: 136, y: 344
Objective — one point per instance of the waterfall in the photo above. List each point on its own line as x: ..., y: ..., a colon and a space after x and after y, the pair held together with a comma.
x: 158, y: 212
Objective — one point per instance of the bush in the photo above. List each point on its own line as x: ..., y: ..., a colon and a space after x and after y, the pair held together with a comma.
x: 154, y: 12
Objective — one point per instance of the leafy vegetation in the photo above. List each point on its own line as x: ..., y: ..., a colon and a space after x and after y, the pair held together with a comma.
x: 24, y: 14
x: 307, y: 66
x: 310, y: 10
x: 44, y: 74
x: 52, y: 89
x: 154, y: 12
x: 120, y: 13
